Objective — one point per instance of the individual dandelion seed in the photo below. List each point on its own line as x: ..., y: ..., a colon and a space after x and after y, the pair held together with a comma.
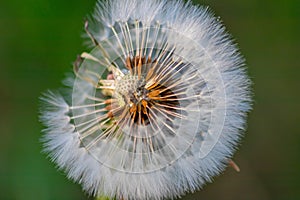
x: 156, y: 109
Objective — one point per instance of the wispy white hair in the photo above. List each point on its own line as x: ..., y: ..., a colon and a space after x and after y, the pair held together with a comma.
x: 202, y: 143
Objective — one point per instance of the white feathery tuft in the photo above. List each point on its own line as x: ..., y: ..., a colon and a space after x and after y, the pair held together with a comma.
x: 157, y: 108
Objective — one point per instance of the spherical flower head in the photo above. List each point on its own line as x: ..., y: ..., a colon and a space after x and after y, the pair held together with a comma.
x: 158, y: 106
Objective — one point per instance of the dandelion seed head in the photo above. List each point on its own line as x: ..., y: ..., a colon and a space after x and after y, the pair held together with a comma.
x: 157, y: 107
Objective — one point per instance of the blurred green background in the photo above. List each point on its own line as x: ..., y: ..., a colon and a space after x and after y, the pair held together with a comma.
x: 40, y: 39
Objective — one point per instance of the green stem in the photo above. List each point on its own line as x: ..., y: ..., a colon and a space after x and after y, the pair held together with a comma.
x: 104, y: 198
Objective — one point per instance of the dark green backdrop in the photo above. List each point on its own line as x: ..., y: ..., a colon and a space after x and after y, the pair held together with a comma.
x: 39, y: 39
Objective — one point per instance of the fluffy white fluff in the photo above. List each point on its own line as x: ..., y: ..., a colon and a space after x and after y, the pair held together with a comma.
x: 203, y: 142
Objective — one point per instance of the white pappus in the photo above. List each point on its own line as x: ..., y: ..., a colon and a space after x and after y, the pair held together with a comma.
x: 158, y: 106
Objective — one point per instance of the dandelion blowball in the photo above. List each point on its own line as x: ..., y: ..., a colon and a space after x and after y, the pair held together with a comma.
x: 156, y: 109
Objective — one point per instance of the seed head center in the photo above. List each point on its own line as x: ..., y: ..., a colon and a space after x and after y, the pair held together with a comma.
x: 131, y: 93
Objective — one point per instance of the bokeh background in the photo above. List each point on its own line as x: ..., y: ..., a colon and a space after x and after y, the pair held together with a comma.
x: 39, y: 39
